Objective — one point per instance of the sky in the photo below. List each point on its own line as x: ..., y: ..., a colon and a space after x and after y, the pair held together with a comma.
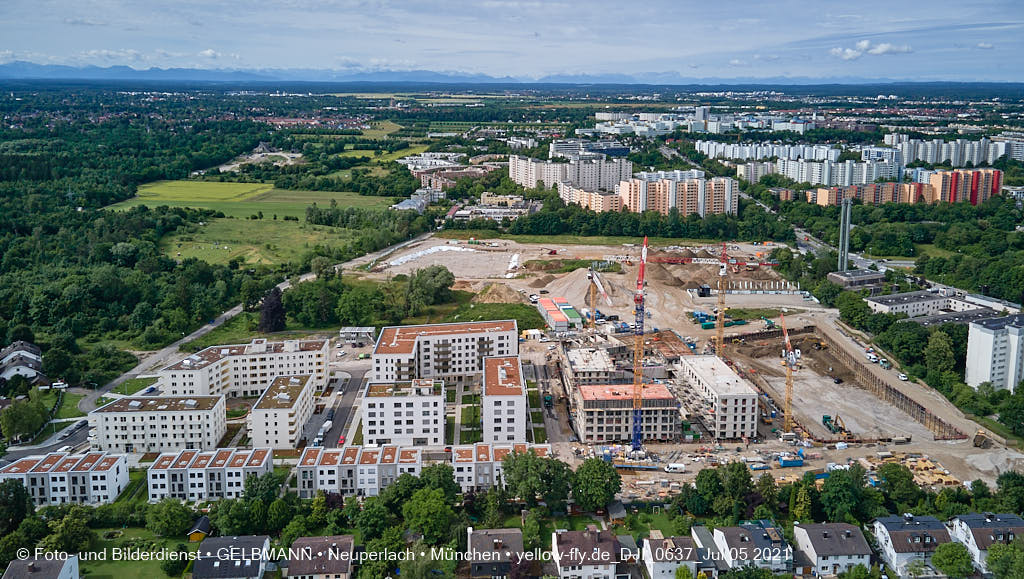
x: 923, y: 40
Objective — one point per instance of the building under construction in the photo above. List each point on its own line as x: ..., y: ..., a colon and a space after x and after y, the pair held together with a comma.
x: 604, y: 413
x: 725, y: 402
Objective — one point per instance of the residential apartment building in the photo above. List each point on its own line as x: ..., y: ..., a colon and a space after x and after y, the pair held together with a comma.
x: 753, y: 172
x: 836, y: 173
x: 595, y: 366
x: 604, y: 413
x: 354, y: 470
x: 599, y: 201
x: 729, y: 406
x: 505, y: 411
x: 405, y: 413
x: 158, y: 424
x: 755, y: 151
x: 479, y: 466
x: 903, y: 540
x: 244, y: 369
x: 689, y: 196
x: 995, y: 352
x: 591, y: 171
x: 979, y: 531
x: 832, y: 548
x: 972, y: 185
x: 589, y: 554
x: 957, y: 153
x: 873, y: 193
x: 277, y: 418
x: 59, y: 478
x: 919, y: 303
x: 451, y: 352
x: 192, y: 475
x: 661, y: 556
x: 574, y: 148
x: 21, y: 359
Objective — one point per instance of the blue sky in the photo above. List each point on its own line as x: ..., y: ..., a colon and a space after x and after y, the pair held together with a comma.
x: 898, y: 39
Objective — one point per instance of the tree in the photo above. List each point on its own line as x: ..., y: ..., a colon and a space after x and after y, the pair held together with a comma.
x: 258, y: 516
x: 425, y: 566
x: 56, y: 362
x: 595, y: 484
x: 175, y: 565
x: 440, y: 476
x: 493, y: 509
x: 953, y: 559
x: 938, y: 354
x: 429, y: 513
x: 709, y: 484
x: 839, y: 496
x: 802, y: 506
x: 736, y: 480
x: 20, y: 333
x: 1006, y: 561
x: 22, y: 418
x: 683, y: 572
x: 15, y: 505
x: 264, y: 487
x: 389, y: 541
x: 278, y: 515
x: 272, y: 317
x: 318, y: 510
x: 898, y: 484
x: 395, y: 495
x: 169, y: 518
x: 231, y: 517
x: 374, y: 519
x: 917, y: 568
x: 295, y: 528
x: 531, y: 531
x: 71, y: 533
x: 768, y: 490
x: 351, y: 509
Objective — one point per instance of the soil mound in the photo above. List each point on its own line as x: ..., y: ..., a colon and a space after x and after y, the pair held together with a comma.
x: 542, y: 281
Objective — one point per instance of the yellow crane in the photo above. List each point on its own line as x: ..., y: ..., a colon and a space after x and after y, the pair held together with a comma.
x: 722, y: 273
x: 790, y: 362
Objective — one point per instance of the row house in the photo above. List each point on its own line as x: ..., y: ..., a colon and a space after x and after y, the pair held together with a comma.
x: 192, y: 475
x: 60, y: 478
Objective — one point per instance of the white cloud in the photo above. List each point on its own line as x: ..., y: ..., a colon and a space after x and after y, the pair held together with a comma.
x: 737, y: 62
x: 84, y: 22
x: 863, y: 47
x: 209, y: 53
x: 985, y: 45
x: 119, y: 55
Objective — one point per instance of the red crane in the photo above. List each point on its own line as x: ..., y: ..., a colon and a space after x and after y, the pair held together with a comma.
x: 638, y: 353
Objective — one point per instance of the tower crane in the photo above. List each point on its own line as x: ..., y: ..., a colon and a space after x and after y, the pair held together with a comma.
x: 638, y: 354
x: 722, y: 273
x: 791, y: 357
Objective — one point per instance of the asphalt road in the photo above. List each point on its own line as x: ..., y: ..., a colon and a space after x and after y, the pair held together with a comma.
x: 343, y: 409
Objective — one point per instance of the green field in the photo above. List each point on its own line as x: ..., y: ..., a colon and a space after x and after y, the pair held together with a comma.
x: 133, y: 537
x: 241, y: 329
x: 243, y: 199
x: 381, y: 129
x: 255, y: 241
x: 385, y: 157
x: 133, y: 385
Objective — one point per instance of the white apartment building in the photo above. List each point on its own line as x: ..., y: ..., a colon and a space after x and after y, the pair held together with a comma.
x: 756, y: 151
x: 832, y: 548
x: 59, y: 478
x: 277, y: 418
x: 192, y: 475
x: 753, y: 172
x: 995, y: 352
x: 505, y: 411
x: 919, y: 303
x: 158, y: 424
x: 591, y: 171
x: 451, y: 352
x: 957, y: 153
x: 979, y: 531
x: 604, y: 413
x: 404, y: 413
x: 244, y: 369
x: 354, y: 470
x: 730, y: 402
x: 830, y: 173
x: 479, y: 466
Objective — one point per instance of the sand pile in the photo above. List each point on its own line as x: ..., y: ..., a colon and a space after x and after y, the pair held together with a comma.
x: 704, y: 254
x: 658, y: 273
x: 687, y: 253
x: 542, y: 281
x: 498, y: 293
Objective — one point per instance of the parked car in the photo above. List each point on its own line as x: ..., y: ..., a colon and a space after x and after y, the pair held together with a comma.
x: 902, y: 376
x: 341, y: 440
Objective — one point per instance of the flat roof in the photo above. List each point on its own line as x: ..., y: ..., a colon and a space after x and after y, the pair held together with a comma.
x: 161, y: 404
x: 89, y: 461
x: 624, y: 392
x: 283, y: 392
x: 207, y: 356
x: 502, y: 376
x: 719, y: 376
x: 953, y: 317
x: 907, y: 298
x: 590, y: 360
x: 402, y: 339
x: 410, y: 388
x: 1015, y: 321
x: 858, y: 273
x: 309, y: 456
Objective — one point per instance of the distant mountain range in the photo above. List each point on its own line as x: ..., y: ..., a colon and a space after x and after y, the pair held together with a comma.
x: 21, y: 70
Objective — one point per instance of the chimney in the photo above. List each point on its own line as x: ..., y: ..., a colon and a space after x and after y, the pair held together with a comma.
x: 31, y: 566
x: 497, y: 543
x: 848, y: 533
x: 824, y: 534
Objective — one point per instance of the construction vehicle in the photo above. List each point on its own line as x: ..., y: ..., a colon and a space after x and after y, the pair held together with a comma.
x: 548, y: 401
x: 791, y: 359
x: 638, y: 354
x: 768, y: 324
x: 981, y: 439
x: 835, y: 425
x: 595, y: 287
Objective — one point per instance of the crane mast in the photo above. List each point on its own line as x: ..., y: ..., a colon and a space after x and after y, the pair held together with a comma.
x: 593, y: 294
x: 638, y: 353
x: 790, y: 362
x: 722, y: 272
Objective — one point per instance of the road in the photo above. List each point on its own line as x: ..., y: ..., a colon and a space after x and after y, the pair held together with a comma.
x: 345, y: 410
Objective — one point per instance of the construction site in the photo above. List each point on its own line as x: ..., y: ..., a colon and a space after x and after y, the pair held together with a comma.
x: 645, y: 316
